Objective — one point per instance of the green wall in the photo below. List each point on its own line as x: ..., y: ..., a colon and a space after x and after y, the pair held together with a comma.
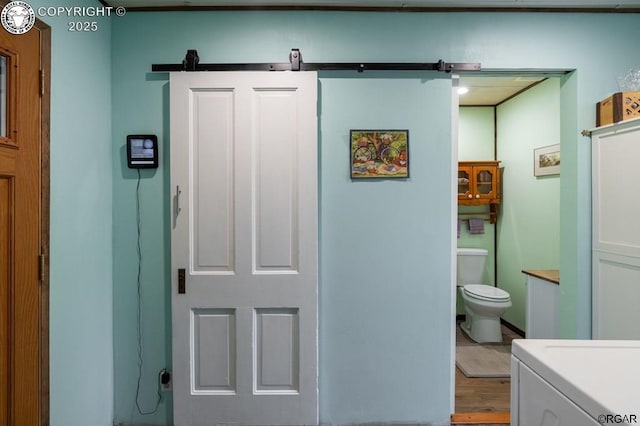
x: 476, y: 137
x: 529, y: 224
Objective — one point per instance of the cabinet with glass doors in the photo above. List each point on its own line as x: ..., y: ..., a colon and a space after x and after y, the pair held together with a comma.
x: 479, y: 184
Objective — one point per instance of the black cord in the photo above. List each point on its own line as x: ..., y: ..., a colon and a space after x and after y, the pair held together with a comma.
x: 139, y: 250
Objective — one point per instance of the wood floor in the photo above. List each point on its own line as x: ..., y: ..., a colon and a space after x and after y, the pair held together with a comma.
x: 489, y: 397
x: 481, y: 395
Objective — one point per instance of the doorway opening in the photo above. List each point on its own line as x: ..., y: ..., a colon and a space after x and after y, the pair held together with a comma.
x: 504, y: 117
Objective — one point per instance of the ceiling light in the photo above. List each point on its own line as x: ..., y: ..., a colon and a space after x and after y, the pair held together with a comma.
x: 462, y: 90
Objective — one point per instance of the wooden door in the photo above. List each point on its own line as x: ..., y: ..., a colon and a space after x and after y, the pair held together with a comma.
x: 244, y: 247
x: 23, y: 227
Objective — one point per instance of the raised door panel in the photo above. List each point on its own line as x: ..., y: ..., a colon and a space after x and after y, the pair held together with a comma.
x: 616, y: 228
x: 275, y: 196
x: 213, y: 194
x: 277, y: 351
x: 616, y: 297
x: 213, y: 369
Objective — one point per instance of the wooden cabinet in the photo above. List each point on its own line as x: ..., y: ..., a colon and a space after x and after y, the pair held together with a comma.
x: 479, y: 184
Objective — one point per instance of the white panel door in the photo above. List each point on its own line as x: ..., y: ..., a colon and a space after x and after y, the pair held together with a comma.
x: 244, y: 172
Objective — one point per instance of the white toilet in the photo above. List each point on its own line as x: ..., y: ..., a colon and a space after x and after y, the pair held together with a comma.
x: 484, y: 304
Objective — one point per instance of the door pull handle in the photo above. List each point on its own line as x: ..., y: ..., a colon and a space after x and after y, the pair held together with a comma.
x: 178, y: 192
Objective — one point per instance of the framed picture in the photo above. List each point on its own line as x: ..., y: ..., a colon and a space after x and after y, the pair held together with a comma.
x: 379, y: 154
x: 546, y: 160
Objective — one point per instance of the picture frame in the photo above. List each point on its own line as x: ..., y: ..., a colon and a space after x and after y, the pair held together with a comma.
x: 546, y: 160
x: 379, y: 154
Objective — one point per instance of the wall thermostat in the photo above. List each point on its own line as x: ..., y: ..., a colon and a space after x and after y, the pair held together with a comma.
x: 142, y: 151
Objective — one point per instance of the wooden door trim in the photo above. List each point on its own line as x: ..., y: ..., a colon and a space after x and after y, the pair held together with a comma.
x: 45, y: 64
x: 45, y: 111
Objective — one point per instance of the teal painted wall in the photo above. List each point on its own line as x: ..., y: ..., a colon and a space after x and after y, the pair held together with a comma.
x: 570, y: 41
x: 385, y: 264
x: 529, y: 224
x: 81, y: 309
x: 140, y: 107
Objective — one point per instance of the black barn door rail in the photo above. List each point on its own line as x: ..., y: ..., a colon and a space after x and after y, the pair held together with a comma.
x: 191, y: 62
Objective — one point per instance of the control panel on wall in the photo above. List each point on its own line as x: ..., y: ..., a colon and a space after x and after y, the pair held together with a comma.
x: 142, y: 151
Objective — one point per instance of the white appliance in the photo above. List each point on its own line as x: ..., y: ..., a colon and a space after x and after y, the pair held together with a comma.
x: 575, y: 382
x: 484, y: 304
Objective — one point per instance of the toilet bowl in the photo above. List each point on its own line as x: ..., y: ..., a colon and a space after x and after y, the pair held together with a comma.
x: 484, y: 304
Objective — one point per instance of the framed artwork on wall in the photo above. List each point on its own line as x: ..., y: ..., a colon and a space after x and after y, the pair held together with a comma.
x: 379, y: 154
x: 546, y: 160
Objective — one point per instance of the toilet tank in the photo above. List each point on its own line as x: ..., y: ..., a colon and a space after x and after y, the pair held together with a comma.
x: 471, y: 263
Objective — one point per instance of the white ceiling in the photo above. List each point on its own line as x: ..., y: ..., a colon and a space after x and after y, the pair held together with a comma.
x: 606, y: 5
x: 485, y: 90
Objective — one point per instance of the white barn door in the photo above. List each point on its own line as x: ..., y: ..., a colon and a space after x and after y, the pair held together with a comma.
x: 244, y: 248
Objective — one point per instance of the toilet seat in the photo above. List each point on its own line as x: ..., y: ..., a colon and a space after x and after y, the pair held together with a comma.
x: 486, y: 292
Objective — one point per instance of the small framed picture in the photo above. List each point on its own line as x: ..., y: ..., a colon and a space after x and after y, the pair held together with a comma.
x: 379, y: 154
x: 546, y: 160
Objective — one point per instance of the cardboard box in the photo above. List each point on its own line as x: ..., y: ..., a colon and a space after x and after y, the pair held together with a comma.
x: 617, y: 107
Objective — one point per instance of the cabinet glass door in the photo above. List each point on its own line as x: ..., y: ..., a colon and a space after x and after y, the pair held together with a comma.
x: 464, y: 182
x: 484, y: 183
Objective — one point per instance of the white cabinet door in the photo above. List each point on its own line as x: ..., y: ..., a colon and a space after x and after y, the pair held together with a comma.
x: 616, y: 231
x: 244, y: 172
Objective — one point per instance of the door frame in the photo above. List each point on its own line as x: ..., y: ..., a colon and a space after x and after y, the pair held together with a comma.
x: 567, y: 98
x: 45, y: 115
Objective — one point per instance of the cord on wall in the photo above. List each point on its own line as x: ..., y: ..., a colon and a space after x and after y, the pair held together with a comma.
x: 139, y: 326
